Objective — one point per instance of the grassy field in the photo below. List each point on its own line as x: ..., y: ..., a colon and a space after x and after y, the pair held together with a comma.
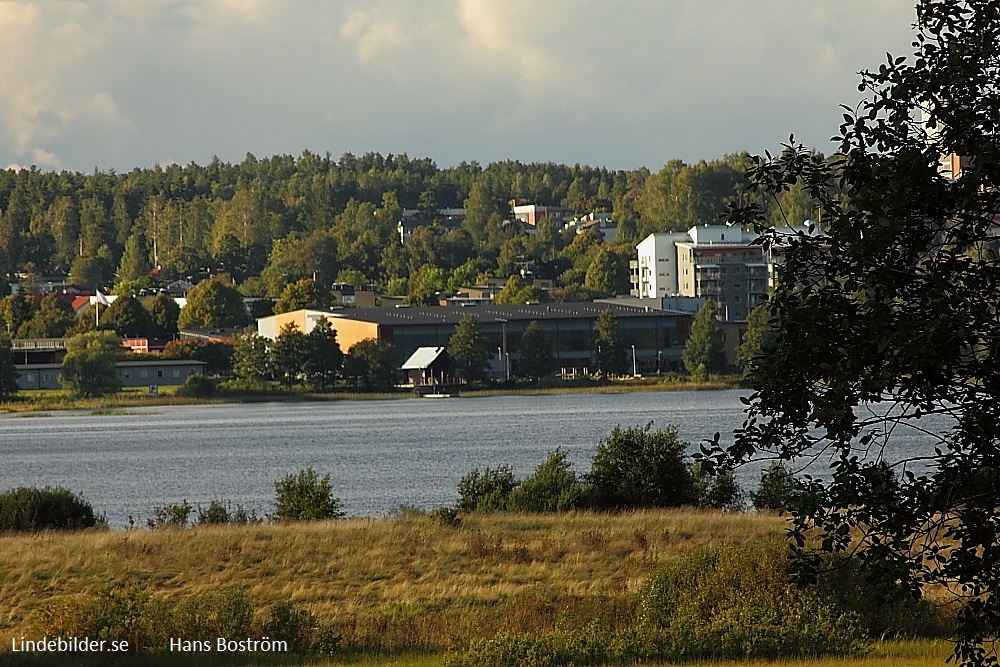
x: 400, y: 591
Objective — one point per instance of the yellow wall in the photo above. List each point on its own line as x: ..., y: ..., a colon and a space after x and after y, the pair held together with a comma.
x: 350, y: 332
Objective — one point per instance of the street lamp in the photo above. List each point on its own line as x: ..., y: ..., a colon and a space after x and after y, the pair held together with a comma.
x: 503, y: 350
x: 658, y: 362
x: 634, y: 371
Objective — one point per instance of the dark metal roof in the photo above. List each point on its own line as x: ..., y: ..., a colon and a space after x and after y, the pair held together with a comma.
x: 486, y: 313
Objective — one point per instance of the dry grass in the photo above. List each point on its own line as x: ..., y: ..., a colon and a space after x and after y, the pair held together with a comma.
x: 397, y: 582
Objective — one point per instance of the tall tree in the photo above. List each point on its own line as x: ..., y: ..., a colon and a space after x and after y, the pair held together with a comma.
x: 251, y: 357
x: 212, y: 303
x: 289, y: 354
x: 608, y: 273
x: 89, y: 366
x: 135, y: 259
x: 703, y: 351
x: 608, y: 343
x: 164, y: 311
x: 469, y: 349
x: 324, y: 358
x: 372, y: 365
x: 8, y: 373
x: 305, y: 293
x: 128, y: 319
x: 891, y: 317
x: 52, y: 319
x: 534, y: 352
x: 757, y: 336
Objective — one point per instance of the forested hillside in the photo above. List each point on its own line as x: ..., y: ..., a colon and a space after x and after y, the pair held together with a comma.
x: 268, y: 222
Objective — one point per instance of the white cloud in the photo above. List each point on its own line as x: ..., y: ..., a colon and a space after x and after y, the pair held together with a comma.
x: 373, y: 34
x: 118, y: 83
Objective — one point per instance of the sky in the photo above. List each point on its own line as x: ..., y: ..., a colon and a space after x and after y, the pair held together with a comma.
x: 117, y: 84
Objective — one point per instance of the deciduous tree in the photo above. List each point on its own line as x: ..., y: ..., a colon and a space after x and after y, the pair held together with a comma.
x: 89, y: 366
x: 210, y: 304
x: 534, y: 352
x: 469, y: 349
x: 891, y: 316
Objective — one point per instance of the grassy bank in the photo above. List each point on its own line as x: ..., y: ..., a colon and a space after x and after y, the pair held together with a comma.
x: 401, y: 591
x: 57, y: 399
x: 396, y: 582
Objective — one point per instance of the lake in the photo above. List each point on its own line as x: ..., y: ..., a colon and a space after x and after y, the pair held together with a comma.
x: 379, y: 453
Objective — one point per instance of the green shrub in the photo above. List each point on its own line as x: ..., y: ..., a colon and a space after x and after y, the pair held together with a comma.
x: 305, y: 497
x: 724, y: 603
x: 716, y: 490
x: 219, y: 512
x: 553, y: 487
x: 778, y: 490
x: 446, y: 516
x: 301, y: 629
x: 714, y: 604
x: 485, y: 491
x: 634, y: 468
x: 170, y: 516
x: 30, y: 509
x: 198, y: 386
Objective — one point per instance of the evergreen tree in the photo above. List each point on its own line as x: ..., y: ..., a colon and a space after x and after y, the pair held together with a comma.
x: 703, y: 353
x: 469, y: 349
x: 135, y: 261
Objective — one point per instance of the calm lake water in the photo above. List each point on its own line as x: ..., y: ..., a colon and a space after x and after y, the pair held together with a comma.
x: 379, y: 453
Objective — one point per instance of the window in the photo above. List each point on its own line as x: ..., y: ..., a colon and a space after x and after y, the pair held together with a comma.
x: 177, y: 372
x: 46, y: 377
x: 30, y: 377
x: 127, y: 374
x: 143, y: 374
x: 159, y: 374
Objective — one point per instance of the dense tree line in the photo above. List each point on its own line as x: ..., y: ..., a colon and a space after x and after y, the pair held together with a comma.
x: 269, y: 222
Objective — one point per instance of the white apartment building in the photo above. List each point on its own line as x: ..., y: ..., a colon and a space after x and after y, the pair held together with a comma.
x: 715, y: 262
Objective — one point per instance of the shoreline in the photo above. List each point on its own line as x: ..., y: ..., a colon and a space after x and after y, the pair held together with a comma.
x: 54, y: 400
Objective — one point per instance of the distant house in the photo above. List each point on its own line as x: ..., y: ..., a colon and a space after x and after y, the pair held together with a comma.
x: 430, y: 366
x: 140, y: 373
x: 132, y: 373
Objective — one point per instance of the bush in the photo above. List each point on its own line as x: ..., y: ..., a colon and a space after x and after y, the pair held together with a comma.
x: 128, y: 611
x: 31, y: 509
x: 724, y: 603
x: 485, y: 491
x: 778, y: 490
x: 222, y: 512
x: 301, y: 629
x: 198, y: 386
x: 635, y: 468
x: 170, y: 516
x: 716, y: 604
x: 305, y: 497
x: 553, y: 487
x: 717, y: 490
